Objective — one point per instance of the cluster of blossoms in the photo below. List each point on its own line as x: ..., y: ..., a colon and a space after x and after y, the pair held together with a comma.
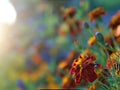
x: 84, y: 68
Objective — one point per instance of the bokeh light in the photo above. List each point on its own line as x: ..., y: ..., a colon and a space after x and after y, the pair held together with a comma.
x: 8, y: 13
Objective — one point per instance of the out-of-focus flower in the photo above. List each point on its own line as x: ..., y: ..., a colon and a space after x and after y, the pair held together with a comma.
x: 76, y: 42
x: 108, y: 39
x: 114, y: 61
x: 75, y: 28
x: 92, y: 41
x: 74, y: 25
x: 37, y: 59
x: 118, y: 39
x: 63, y: 30
x: 115, y: 21
x: 96, y: 13
x: 117, y: 31
x: 69, y: 12
x: 83, y: 68
x: 116, y: 34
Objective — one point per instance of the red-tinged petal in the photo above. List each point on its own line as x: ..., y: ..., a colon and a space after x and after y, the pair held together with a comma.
x: 90, y: 77
x: 76, y: 60
x: 72, y: 71
x: 78, y: 79
x: 77, y: 70
x: 89, y: 73
x: 74, y: 64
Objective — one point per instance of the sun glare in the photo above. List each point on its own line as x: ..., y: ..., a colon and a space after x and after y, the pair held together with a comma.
x: 7, y: 12
x: 7, y: 18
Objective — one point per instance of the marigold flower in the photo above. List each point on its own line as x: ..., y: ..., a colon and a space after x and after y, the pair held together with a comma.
x: 114, y: 61
x: 108, y: 39
x: 76, y: 28
x: 117, y: 31
x: 83, y: 68
x: 102, y: 73
x: 115, y: 21
x: 73, y: 24
x: 96, y: 13
x: 118, y: 39
x: 69, y: 12
x: 116, y: 34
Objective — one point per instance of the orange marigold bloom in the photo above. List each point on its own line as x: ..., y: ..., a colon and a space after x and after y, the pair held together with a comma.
x: 83, y: 68
x: 115, y: 21
x: 69, y: 12
x: 114, y: 61
x: 118, y: 39
x: 75, y: 27
x: 96, y: 13
x: 117, y: 70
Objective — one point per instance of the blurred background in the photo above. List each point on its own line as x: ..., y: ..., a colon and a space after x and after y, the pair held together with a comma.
x: 31, y: 45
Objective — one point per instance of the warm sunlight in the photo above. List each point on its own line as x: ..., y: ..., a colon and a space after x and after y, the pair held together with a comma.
x: 7, y: 12
x: 7, y: 18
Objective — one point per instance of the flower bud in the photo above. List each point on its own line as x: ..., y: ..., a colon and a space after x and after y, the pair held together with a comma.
x: 100, y: 38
